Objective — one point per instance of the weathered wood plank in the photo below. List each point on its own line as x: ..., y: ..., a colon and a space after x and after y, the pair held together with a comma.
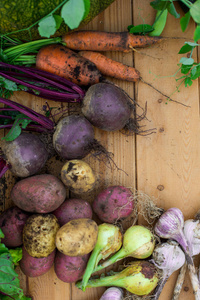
x: 165, y: 164
x: 168, y: 161
x: 115, y: 18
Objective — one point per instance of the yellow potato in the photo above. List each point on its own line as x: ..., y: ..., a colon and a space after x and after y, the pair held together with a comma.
x: 78, y: 176
x: 39, y: 234
x: 77, y: 237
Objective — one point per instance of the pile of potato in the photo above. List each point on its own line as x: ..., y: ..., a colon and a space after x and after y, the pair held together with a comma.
x: 54, y: 230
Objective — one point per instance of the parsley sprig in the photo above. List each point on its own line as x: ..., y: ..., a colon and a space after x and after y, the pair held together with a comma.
x: 190, y: 70
x: 188, y: 67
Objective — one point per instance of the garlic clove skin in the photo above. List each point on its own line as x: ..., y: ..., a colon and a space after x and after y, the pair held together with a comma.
x: 169, y: 223
x: 170, y: 226
x: 168, y: 257
x: 112, y: 293
x: 191, y: 231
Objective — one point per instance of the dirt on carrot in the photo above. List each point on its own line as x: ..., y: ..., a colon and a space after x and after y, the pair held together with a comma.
x: 60, y: 60
x: 110, y: 67
x: 107, y: 41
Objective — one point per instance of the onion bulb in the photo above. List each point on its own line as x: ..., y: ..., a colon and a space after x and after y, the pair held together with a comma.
x: 138, y: 242
x: 109, y: 241
x: 139, y: 278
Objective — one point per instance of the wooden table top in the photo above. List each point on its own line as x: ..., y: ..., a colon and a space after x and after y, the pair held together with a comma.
x: 164, y: 164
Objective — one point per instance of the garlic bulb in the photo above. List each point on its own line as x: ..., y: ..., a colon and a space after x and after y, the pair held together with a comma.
x: 112, y: 293
x: 192, y: 233
x: 168, y: 257
x: 170, y: 226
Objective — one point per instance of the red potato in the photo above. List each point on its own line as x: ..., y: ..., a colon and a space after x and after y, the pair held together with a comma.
x: 73, y: 209
x: 33, y: 266
x: 12, y: 222
x: 70, y: 268
x: 113, y: 203
x: 39, y: 194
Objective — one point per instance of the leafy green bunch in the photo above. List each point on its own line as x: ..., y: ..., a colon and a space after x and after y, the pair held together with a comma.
x: 9, y: 281
x: 189, y: 69
x: 72, y: 13
x: 193, y: 12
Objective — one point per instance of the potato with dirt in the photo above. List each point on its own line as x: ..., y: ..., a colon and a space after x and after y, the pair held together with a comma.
x: 114, y: 203
x: 70, y: 268
x: 12, y: 222
x: 78, y: 237
x: 73, y: 209
x: 33, y: 266
x: 78, y: 176
x: 39, y: 234
x: 39, y: 194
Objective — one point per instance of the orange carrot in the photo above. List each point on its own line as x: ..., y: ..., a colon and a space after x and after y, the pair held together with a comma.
x: 59, y: 60
x: 107, y: 41
x: 112, y: 68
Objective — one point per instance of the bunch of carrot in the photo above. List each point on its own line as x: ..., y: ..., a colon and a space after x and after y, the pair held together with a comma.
x: 88, y: 66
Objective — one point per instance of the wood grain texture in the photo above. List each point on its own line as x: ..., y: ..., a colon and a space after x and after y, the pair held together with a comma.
x: 165, y: 164
x: 168, y: 161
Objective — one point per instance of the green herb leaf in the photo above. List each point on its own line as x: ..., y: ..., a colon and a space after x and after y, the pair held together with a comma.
x: 8, y: 84
x: 172, y: 10
x: 20, y: 123
x: 16, y: 297
x: 186, y: 61
x: 140, y: 29
x: 184, y: 21
x: 16, y: 255
x: 188, y: 81
x: 73, y: 12
x: 193, y: 44
x: 195, y: 72
x: 159, y: 23
x: 8, y: 277
x: 1, y: 237
x: 195, y: 11
x: 3, y: 56
x: 9, y: 281
x: 87, y: 8
x: 159, y: 4
x: 58, y: 20
x: 186, y: 48
x: 47, y: 26
x: 185, y: 68
x: 197, y: 33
